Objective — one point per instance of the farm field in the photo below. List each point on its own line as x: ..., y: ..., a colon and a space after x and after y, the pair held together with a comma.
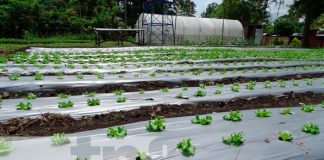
x: 154, y: 94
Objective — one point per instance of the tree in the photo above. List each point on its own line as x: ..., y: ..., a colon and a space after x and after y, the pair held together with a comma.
x: 186, y: 7
x: 211, y: 10
x: 285, y: 26
x: 311, y: 10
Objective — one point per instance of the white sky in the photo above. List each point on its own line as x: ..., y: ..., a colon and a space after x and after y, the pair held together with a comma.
x: 202, y: 5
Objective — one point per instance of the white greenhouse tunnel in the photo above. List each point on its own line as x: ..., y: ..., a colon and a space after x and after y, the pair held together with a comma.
x: 197, y: 29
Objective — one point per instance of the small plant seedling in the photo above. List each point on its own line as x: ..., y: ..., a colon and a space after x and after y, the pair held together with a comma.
x: 308, y: 82
x: 65, y: 104
x: 322, y: 104
x: 14, y: 76
x: 99, y: 75
x: 250, y: 85
x: 59, y: 139
x: 235, y: 139
x: 38, y: 76
x: 180, y: 96
x: 233, y: 116
x: 218, y: 92
x: 90, y: 94
x: 142, y: 156
x: 285, y: 136
x: 165, y: 90
x: 235, y: 88
x: 156, y: 125
x: 308, y: 108
x: 203, y: 121
x: 186, y: 147
x: 24, y: 106
x: 117, y: 132
x: 184, y: 88
x: 311, y: 128
x: 220, y: 85
x: 79, y: 76
x: 282, y: 84
x: 286, y: 111
x: 263, y: 113
x: 267, y: 84
x: 118, y: 92
x: 93, y: 102
x: 5, y: 147
x: 121, y: 99
x: 63, y: 96
x: 200, y: 93
x: 202, y: 85
x: 141, y: 91
x: 295, y: 83
x: 31, y: 96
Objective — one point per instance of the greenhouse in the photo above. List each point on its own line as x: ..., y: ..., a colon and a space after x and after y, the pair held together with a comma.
x: 189, y: 29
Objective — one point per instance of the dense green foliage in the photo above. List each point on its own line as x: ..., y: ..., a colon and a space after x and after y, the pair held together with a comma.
x: 156, y: 125
x: 311, y: 128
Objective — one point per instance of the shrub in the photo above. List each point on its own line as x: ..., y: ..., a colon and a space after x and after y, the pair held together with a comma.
x: 203, y: 121
x: 156, y: 125
x: 263, y: 113
x: 60, y: 139
x: 295, y: 42
x: 285, y: 136
x: 65, y: 104
x: 5, y: 147
x: 186, y: 147
x: 233, y: 116
x: 311, y: 128
x: 235, y: 139
x: 93, y: 102
x: 24, y: 106
x: 117, y: 132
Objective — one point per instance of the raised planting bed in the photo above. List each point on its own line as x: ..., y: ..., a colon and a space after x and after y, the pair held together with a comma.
x: 260, y: 139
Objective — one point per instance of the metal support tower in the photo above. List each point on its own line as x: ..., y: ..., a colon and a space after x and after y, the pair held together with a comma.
x: 159, y: 22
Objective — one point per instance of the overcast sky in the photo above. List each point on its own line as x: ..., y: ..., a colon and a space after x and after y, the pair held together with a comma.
x: 202, y: 4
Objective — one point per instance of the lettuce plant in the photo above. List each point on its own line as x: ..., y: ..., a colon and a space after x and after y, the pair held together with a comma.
x: 141, y: 91
x: 117, y: 132
x: 218, y: 92
x: 65, y: 104
x: 295, y: 83
x: 235, y: 139
x: 118, y: 92
x: 322, y: 104
x: 233, y: 116
x: 267, y: 84
x: 235, y: 88
x: 285, y: 136
x: 59, y: 139
x: 200, y: 93
x: 156, y: 125
x: 79, y: 76
x: 286, y: 111
x: 24, y: 106
x: 165, y: 90
x: 202, y: 85
x: 93, y: 102
x: 186, y: 147
x: 31, y: 96
x: 250, y: 85
x: 5, y: 147
x: 99, y: 75
x: 263, y: 113
x: 203, y: 121
x: 142, y: 156
x: 38, y: 76
x: 282, y: 84
x: 184, y: 88
x: 121, y: 99
x: 308, y: 108
x: 311, y: 128
x: 63, y: 96
x: 14, y: 76
x: 90, y: 94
